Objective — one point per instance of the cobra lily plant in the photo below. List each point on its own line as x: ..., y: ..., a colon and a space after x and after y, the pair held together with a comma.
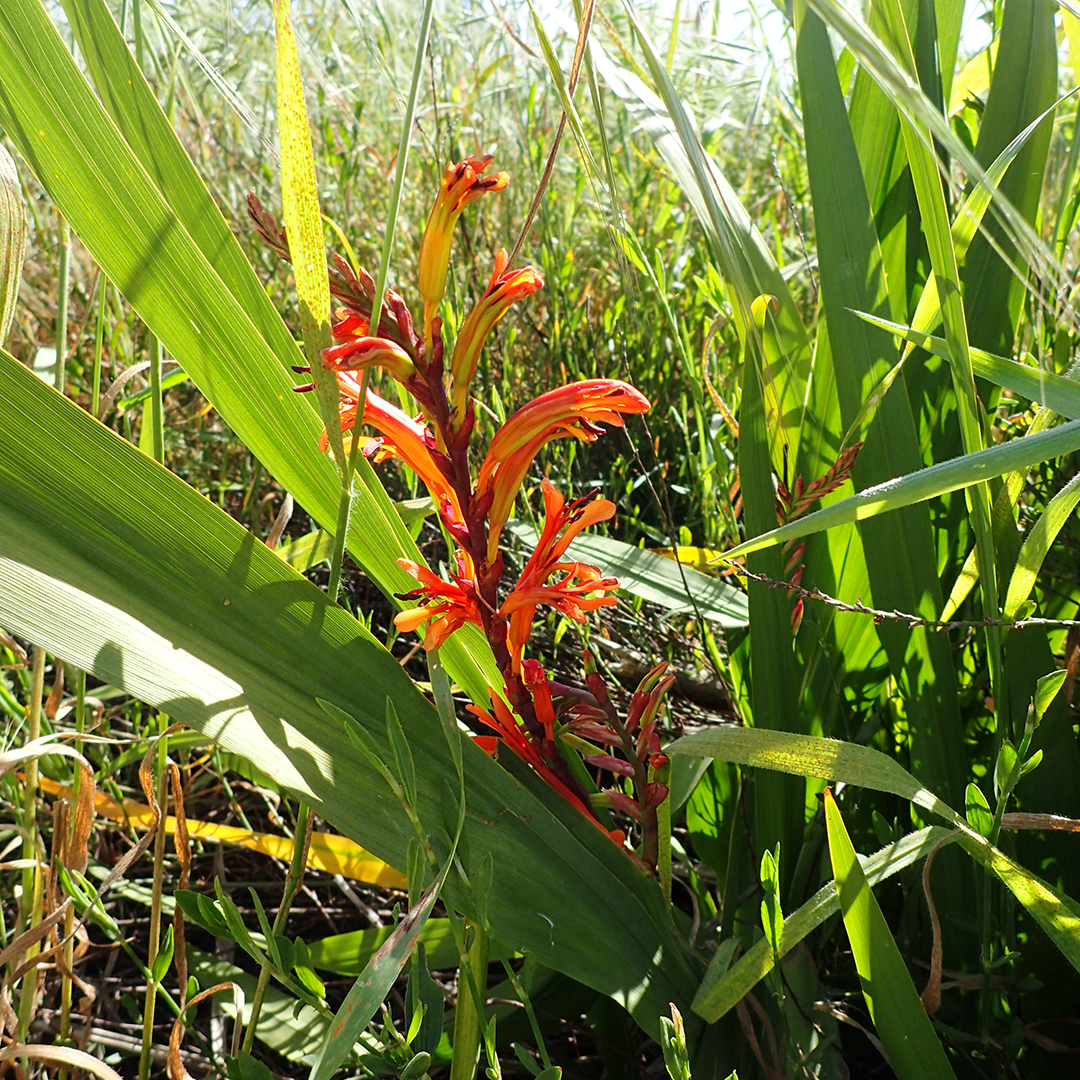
x: 556, y: 729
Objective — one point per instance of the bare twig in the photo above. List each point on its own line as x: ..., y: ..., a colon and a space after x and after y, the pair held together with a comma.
x: 879, y: 616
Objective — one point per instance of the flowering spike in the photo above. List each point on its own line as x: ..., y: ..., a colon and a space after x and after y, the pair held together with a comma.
x: 474, y: 507
x: 461, y: 184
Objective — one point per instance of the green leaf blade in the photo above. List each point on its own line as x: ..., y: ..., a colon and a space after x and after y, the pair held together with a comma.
x: 910, y: 1041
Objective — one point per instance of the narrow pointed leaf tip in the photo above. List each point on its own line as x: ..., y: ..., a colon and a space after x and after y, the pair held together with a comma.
x: 12, y: 240
x: 909, y: 1039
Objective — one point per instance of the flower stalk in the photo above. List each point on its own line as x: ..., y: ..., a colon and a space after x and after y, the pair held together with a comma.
x: 544, y: 728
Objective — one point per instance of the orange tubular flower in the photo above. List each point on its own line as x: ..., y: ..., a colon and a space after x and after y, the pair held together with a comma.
x: 403, y: 438
x: 572, y: 410
x: 511, y: 733
x: 360, y: 351
x: 461, y: 184
x: 503, y: 289
x: 532, y: 589
x: 453, y: 607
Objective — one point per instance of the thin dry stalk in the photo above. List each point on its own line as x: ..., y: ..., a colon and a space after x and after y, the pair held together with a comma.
x: 159, y: 750
x: 30, y: 908
x: 931, y: 996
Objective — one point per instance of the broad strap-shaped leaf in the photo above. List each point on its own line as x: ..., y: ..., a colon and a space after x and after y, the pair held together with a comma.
x: 969, y: 217
x: 899, y: 550
x: 111, y: 562
x: 909, y: 1039
x: 1024, y: 87
x: 936, y: 228
x: 778, y: 814
x: 808, y: 755
x: 302, y: 220
x: 929, y: 483
x: 1044, y: 387
x: 894, y: 75
x: 1037, y: 545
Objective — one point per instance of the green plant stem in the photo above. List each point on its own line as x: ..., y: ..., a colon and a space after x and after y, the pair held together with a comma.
x: 995, y: 834
x: 157, y: 428
x: 31, y: 877
x: 99, y: 342
x: 63, y: 287
x: 348, y: 471
x: 348, y: 468
x: 523, y: 997
x: 295, y: 877
x: 155, y: 900
x: 136, y: 9
x: 469, y: 1017
x: 69, y: 919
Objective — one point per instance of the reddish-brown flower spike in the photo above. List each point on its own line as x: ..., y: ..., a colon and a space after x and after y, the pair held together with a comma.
x: 575, y: 411
x: 461, y: 184
x: 503, y: 289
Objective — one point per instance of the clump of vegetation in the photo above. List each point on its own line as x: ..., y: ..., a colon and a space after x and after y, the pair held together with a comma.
x: 822, y: 294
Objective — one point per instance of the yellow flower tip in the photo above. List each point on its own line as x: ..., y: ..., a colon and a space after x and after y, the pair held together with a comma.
x: 501, y: 260
x: 464, y: 181
x: 407, y: 621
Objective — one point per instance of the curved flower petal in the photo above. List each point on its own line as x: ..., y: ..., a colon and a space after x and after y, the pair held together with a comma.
x: 503, y: 289
x: 570, y: 411
x: 452, y: 607
x: 362, y: 352
x: 461, y: 184
x: 511, y: 732
x: 570, y: 595
x: 403, y: 437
